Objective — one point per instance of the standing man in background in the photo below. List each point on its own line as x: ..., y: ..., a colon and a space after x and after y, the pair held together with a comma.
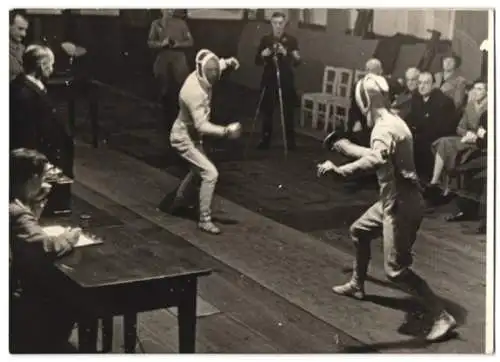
x: 17, y: 33
x: 278, y: 48
x: 170, y: 36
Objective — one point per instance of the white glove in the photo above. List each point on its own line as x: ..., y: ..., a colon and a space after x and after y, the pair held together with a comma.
x: 233, y: 130
x: 266, y: 52
x: 481, y: 132
x: 233, y: 63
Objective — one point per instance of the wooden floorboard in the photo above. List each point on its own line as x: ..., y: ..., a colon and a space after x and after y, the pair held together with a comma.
x: 294, y: 265
x: 270, y: 200
x: 290, y: 328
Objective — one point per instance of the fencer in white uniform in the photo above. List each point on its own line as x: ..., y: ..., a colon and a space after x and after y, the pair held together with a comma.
x: 192, y: 124
x: 397, y: 215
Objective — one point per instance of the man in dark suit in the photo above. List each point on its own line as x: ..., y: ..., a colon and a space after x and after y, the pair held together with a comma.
x: 39, y: 320
x: 17, y: 33
x: 34, y: 122
x: 281, y: 49
x: 432, y: 116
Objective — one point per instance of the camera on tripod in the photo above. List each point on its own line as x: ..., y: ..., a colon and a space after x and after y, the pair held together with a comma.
x: 275, y: 47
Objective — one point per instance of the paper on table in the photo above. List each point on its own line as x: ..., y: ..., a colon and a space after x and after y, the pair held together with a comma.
x: 84, y: 240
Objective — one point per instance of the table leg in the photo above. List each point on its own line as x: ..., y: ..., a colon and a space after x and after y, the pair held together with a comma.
x: 107, y: 334
x: 187, y: 318
x: 94, y: 114
x: 87, y: 335
x: 130, y: 332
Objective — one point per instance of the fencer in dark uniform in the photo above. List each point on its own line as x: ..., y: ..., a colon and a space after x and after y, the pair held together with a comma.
x: 192, y: 124
x: 397, y: 215
x: 282, y: 49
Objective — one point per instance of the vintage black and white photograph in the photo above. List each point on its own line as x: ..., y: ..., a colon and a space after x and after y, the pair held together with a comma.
x: 243, y: 181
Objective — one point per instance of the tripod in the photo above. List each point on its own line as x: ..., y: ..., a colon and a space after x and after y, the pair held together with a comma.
x: 282, y: 114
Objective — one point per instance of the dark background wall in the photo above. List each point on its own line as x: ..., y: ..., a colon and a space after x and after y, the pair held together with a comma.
x: 117, y: 46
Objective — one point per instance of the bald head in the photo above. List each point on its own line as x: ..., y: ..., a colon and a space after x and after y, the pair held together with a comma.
x: 412, y: 73
x: 374, y: 66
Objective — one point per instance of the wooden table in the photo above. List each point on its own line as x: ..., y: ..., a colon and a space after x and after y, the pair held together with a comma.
x: 72, y: 88
x: 124, y: 278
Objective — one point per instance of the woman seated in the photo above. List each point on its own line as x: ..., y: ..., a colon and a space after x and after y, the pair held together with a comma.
x: 472, y: 204
x: 39, y: 321
x: 447, y: 149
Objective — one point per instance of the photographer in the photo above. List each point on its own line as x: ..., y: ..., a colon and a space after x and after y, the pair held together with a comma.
x: 278, y: 49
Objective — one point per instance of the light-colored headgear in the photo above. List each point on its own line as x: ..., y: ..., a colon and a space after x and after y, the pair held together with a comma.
x: 370, y: 91
x: 202, y: 57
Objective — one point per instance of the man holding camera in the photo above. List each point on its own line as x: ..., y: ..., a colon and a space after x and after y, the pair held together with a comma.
x: 278, y: 50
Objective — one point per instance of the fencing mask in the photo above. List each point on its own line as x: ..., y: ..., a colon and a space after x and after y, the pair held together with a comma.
x: 371, y: 91
x: 208, y: 66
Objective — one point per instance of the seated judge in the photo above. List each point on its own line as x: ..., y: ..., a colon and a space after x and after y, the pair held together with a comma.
x: 469, y: 130
x: 39, y: 321
x: 34, y: 122
x: 432, y: 116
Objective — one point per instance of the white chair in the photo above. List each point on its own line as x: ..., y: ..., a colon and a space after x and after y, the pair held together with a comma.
x: 310, y: 102
x: 337, y: 115
x: 337, y: 85
x: 338, y: 107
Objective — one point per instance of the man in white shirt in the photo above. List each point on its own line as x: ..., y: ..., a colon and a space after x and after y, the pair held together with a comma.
x: 192, y: 123
x: 398, y: 213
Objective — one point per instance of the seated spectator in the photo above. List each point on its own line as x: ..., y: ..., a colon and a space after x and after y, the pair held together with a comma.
x: 432, y: 116
x: 467, y: 133
x: 473, y: 204
x: 402, y: 103
x: 34, y: 120
x: 39, y: 320
x: 451, y: 83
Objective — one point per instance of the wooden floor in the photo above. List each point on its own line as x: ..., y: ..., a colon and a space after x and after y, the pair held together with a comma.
x: 284, y: 245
